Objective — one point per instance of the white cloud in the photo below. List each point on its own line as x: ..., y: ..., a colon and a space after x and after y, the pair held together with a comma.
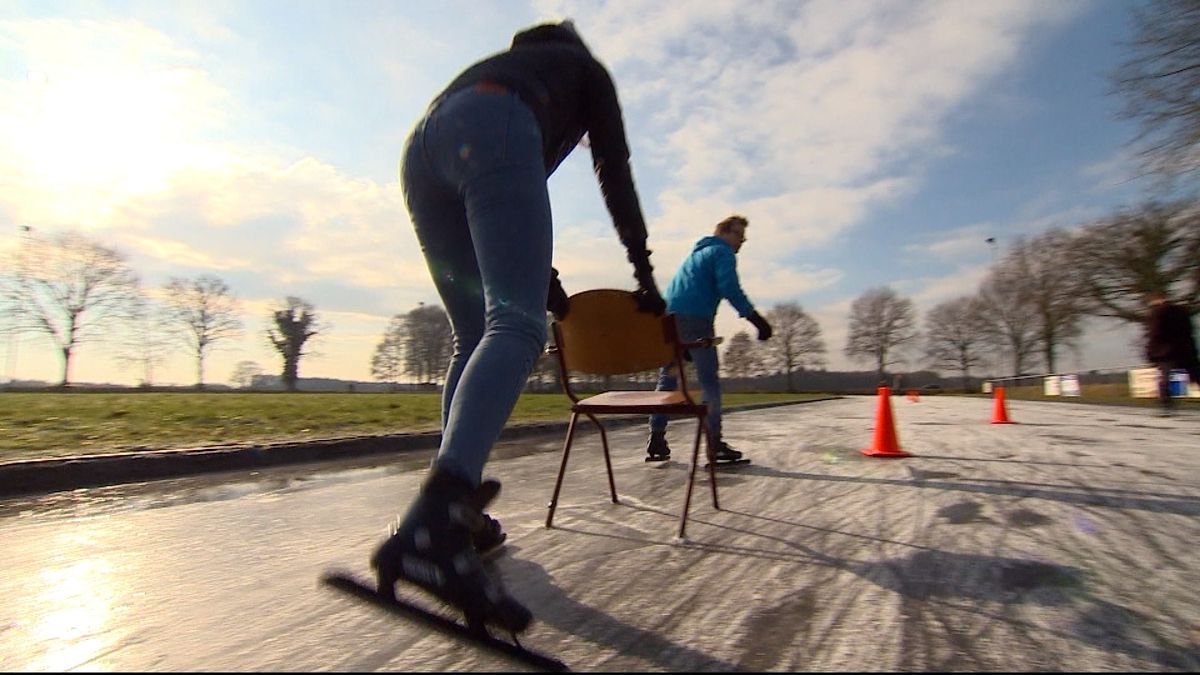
x: 802, y: 116
x: 967, y: 242
x: 141, y: 165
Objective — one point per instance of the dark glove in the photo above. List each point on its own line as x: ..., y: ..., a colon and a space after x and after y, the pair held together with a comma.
x: 649, y: 300
x: 764, y: 328
x: 647, y: 295
x: 556, y: 298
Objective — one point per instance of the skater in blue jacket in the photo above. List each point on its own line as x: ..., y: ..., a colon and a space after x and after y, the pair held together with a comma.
x: 707, y: 275
x: 474, y: 177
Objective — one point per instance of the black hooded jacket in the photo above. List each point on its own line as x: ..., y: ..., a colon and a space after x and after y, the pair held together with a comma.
x: 571, y: 94
x: 1169, y: 335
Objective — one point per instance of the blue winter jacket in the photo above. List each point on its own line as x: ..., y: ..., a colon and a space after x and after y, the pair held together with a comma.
x: 708, y: 274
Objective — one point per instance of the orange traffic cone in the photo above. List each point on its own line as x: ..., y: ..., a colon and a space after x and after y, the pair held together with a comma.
x: 999, y: 413
x: 914, y: 396
x: 885, y: 443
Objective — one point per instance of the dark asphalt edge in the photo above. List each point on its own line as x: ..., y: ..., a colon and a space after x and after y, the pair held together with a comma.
x: 39, y: 476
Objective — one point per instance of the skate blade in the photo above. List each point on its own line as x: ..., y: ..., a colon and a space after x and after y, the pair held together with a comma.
x: 491, y: 554
x: 474, y: 617
x: 402, y: 608
x: 736, y: 462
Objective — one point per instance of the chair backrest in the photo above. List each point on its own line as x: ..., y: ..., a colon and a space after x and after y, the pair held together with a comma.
x: 605, y: 334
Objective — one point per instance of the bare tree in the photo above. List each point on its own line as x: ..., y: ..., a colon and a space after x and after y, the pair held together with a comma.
x: 70, y: 289
x: 387, y: 363
x: 203, y: 312
x: 881, y: 322
x: 1160, y: 84
x: 295, y: 324
x: 957, y: 336
x: 245, y: 373
x: 418, y: 342
x: 1008, y: 309
x: 428, y: 343
x: 742, y: 358
x: 1150, y: 248
x: 1053, y: 291
x: 145, y: 345
x: 797, y: 344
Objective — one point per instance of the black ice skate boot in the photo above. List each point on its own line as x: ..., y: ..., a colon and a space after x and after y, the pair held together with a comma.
x: 657, y: 449
x: 724, y: 453
x: 433, y: 549
x: 489, y: 536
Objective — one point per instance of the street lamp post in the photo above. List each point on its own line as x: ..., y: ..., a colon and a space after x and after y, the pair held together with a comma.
x: 991, y: 242
x: 14, y: 335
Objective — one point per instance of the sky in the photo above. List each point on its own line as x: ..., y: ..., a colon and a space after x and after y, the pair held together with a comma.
x: 869, y: 143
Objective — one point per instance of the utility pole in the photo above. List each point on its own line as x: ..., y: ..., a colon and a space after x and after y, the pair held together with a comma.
x: 991, y: 242
x: 14, y: 334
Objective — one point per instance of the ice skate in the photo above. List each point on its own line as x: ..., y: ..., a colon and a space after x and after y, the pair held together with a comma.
x: 657, y: 449
x: 488, y: 538
x: 434, y: 549
x: 723, y: 455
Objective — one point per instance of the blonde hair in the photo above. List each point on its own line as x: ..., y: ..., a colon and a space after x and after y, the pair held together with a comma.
x: 729, y: 223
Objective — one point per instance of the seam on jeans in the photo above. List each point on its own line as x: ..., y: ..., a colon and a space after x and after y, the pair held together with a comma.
x: 430, y: 165
x: 508, y: 125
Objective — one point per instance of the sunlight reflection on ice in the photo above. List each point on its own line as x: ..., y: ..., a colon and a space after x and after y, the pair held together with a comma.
x: 74, y: 609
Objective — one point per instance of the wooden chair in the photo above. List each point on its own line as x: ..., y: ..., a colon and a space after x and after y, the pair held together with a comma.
x: 605, y: 334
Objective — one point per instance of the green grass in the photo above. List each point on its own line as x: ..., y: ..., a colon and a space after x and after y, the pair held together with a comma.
x: 57, y: 424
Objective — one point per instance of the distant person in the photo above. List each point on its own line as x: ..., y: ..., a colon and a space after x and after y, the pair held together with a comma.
x: 1170, y: 345
x: 474, y: 177
x: 708, y: 275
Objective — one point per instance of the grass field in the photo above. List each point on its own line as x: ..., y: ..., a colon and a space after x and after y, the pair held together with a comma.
x: 57, y: 424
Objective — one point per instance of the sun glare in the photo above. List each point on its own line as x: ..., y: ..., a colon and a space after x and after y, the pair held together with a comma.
x: 116, y: 129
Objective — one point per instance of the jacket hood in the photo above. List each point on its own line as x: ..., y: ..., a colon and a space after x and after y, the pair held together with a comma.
x: 562, y: 33
x: 708, y: 242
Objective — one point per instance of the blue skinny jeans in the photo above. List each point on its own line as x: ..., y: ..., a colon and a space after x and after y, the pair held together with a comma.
x: 705, y: 360
x: 475, y: 185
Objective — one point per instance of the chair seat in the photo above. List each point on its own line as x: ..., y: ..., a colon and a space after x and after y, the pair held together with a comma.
x: 660, y: 402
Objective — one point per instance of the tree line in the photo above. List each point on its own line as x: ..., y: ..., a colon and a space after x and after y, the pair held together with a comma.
x: 1032, y: 304
x: 1030, y: 307
x: 70, y: 289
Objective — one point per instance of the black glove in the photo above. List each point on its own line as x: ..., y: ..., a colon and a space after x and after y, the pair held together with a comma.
x: 650, y: 301
x: 556, y: 298
x: 764, y: 328
x: 647, y: 296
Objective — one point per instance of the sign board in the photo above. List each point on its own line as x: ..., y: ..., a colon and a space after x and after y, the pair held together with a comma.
x: 1051, y: 386
x: 1070, y: 385
x: 987, y: 387
x: 1143, y: 382
x: 1180, y: 386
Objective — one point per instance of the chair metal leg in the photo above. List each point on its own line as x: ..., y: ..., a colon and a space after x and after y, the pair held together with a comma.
x: 687, y: 498
x: 562, y: 470
x: 712, y: 465
x: 612, y: 485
